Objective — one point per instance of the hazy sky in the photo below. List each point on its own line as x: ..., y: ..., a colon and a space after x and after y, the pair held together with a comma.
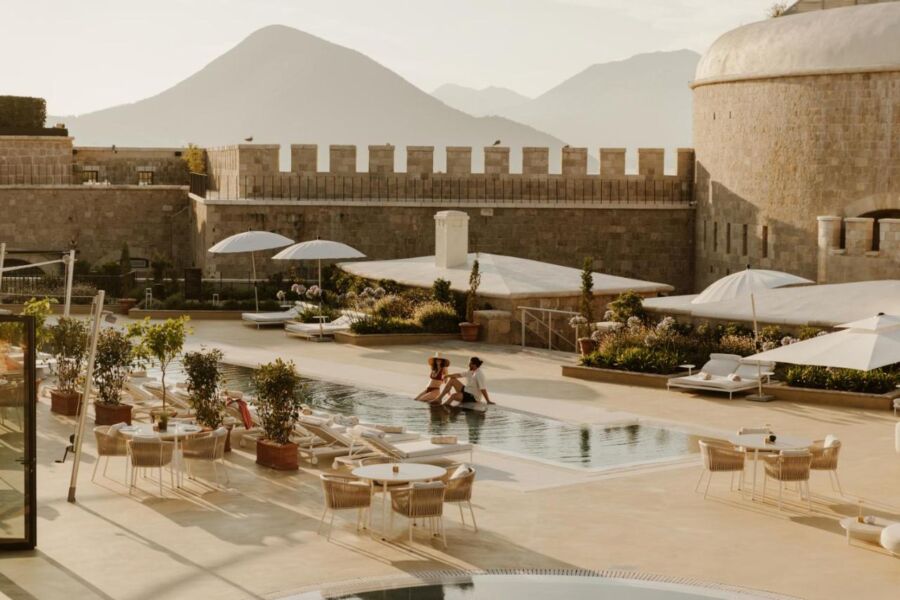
x: 83, y: 55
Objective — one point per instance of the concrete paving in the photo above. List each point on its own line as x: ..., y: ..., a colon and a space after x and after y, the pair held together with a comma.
x: 257, y: 538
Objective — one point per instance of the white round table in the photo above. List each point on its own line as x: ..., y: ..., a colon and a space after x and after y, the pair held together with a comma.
x: 384, y: 475
x: 758, y: 442
x: 866, y: 532
x: 174, y: 432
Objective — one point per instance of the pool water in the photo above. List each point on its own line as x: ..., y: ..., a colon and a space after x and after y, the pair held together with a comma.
x: 502, y: 429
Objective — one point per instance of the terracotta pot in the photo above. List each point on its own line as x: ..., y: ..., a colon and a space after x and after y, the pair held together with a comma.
x: 110, y: 414
x: 65, y: 403
x: 586, y: 346
x: 469, y: 331
x: 277, y: 456
x: 126, y: 304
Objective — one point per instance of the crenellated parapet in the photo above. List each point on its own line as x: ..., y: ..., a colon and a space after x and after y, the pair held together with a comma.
x: 858, y: 248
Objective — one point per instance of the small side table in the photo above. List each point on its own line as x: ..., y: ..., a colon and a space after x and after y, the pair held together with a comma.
x: 864, y: 532
x: 689, y: 367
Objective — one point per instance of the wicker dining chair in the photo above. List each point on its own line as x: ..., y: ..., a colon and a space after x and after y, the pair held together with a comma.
x: 720, y: 457
x: 460, y: 483
x: 825, y: 458
x: 421, y: 501
x: 788, y: 466
x: 150, y: 453
x: 209, y: 448
x: 109, y: 443
x: 345, y: 493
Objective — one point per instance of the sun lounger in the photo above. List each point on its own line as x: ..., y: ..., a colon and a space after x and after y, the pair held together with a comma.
x: 727, y: 373
x: 270, y: 318
x: 339, y: 440
x: 421, y: 450
x: 314, y: 330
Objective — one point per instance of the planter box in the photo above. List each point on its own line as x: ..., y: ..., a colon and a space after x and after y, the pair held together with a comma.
x: 391, y: 339
x: 195, y: 315
x: 65, y: 403
x: 787, y: 393
x: 105, y: 414
x: 283, y: 457
x: 614, y: 376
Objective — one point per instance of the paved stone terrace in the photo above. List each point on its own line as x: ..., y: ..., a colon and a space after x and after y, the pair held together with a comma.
x: 257, y: 539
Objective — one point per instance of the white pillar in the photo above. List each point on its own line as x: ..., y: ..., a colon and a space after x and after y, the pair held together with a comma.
x: 451, y: 239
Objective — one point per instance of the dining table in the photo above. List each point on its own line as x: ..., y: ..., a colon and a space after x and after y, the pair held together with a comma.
x: 759, y: 443
x: 175, y: 432
x: 385, y: 475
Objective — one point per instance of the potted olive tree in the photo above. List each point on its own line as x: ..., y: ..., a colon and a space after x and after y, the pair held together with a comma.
x: 469, y: 328
x: 203, y: 380
x: 111, y: 366
x: 278, y: 401
x: 69, y: 341
x: 162, y: 343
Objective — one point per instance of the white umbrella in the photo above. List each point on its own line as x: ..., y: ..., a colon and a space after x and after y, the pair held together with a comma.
x: 746, y: 284
x: 319, y: 250
x: 865, y: 348
x: 251, y: 241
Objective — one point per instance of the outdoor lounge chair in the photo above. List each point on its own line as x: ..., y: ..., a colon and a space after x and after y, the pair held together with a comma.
x: 337, y: 441
x: 314, y: 330
x: 270, y: 318
x: 420, y: 501
x: 723, y: 373
x: 421, y: 451
x: 825, y: 458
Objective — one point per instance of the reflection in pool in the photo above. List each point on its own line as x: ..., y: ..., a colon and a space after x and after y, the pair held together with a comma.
x: 533, y: 436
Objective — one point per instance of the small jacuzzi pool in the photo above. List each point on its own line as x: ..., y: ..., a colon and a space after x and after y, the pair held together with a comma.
x: 499, y: 586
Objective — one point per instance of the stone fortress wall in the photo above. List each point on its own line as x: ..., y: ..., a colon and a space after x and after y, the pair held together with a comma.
x: 868, y: 249
x: 123, y: 166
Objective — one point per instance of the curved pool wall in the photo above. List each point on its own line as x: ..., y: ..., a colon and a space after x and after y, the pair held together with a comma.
x: 509, y: 431
x: 532, y: 585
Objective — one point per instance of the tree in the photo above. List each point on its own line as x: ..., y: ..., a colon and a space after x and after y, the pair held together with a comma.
x: 111, y: 364
x: 471, y: 296
x: 203, y: 380
x: 195, y: 158
x: 161, y: 342
x: 278, y: 399
x: 587, y: 289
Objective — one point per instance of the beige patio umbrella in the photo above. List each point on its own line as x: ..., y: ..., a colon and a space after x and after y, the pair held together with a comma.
x: 251, y: 241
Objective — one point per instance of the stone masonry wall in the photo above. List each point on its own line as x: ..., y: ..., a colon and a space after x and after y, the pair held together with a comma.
x: 651, y: 244
x: 773, y: 154
x: 120, y: 166
x: 97, y: 220
x: 35, y: 159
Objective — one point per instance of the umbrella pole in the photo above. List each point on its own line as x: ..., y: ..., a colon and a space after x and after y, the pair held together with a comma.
x: 255, y: 291
x: 759, y: 397
x: 321, y: 327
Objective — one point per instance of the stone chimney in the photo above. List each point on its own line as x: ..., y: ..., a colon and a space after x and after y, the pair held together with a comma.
x: 451, y: 239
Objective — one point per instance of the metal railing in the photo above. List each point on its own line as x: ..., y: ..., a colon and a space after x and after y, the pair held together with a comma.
x: 540, y: 323
x: 199, y: 183
x: 439, y: 187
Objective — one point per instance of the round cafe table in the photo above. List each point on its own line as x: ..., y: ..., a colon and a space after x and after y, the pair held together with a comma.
x: 173, y: 433
x: 384, y: 475
x: 758, y: 442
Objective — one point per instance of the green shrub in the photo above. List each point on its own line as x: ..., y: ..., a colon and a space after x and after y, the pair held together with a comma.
x: 112, y: 362
x: 278, y: 399
x: 203, y: 381
x: 436, y: 317
x: 393, y: 306
x: 626, y: 305
x: 22, y: 112
x: 378, y: 325
x: 771, y: 333
x: 876, y: 381
x: 441, y: 292
x: 806, y: 332
x: 309, y: 314
x: 736, y: 344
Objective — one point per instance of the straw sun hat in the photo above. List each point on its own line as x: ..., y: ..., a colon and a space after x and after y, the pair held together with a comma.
x: 437, y: 357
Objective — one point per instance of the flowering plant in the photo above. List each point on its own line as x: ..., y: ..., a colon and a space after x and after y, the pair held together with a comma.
x: 280, y: 295
x: 313, y: 292
x: 577, y: 321
x: 298, y: 288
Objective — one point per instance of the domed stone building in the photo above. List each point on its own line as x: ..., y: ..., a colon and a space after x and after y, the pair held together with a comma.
x: 795, y: 118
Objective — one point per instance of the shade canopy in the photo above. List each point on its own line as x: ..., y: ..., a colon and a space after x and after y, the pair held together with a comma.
x: 880, y: 322
x: 318, y: 250
x: 250, y: 241
x: 855, y: 348
x: 744, y: 283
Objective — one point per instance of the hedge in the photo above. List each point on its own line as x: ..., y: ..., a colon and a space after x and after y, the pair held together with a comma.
x: 22, y: 112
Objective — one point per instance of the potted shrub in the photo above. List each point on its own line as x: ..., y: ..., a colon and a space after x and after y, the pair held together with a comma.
x: 69, y: 341
x: 469, y: 328
x: 111, y: 366
x: 162, y: 343
x: 203, y: 380
x: 278, y: 402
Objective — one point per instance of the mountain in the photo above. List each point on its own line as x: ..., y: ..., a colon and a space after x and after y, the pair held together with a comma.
x: 281, y: 85
x: 484, y: 102
x: 640, y: 102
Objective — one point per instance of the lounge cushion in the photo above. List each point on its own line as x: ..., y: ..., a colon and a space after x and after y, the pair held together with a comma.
x: 890, y: 539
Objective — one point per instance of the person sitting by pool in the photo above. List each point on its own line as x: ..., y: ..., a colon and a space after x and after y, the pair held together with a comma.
x: 473, y: 390
x: 438, y: 366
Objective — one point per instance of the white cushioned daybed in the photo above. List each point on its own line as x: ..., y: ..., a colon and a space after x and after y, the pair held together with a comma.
x: 726, y: 373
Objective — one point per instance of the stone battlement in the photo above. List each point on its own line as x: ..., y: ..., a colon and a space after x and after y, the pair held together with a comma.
x: 858, y: 248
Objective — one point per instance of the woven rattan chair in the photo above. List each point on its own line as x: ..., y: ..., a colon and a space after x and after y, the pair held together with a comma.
x: 421, y: 501
x: 209, y: 448
x: 460, y: 483
x: 720, y: 457
x: 825, y: 458
x: 788, y: 466
x: 150, y: 453
x: 345, y: 493
x: 109, y: 443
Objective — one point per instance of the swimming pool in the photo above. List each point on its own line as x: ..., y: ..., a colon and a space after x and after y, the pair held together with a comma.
x: 501, y: 429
